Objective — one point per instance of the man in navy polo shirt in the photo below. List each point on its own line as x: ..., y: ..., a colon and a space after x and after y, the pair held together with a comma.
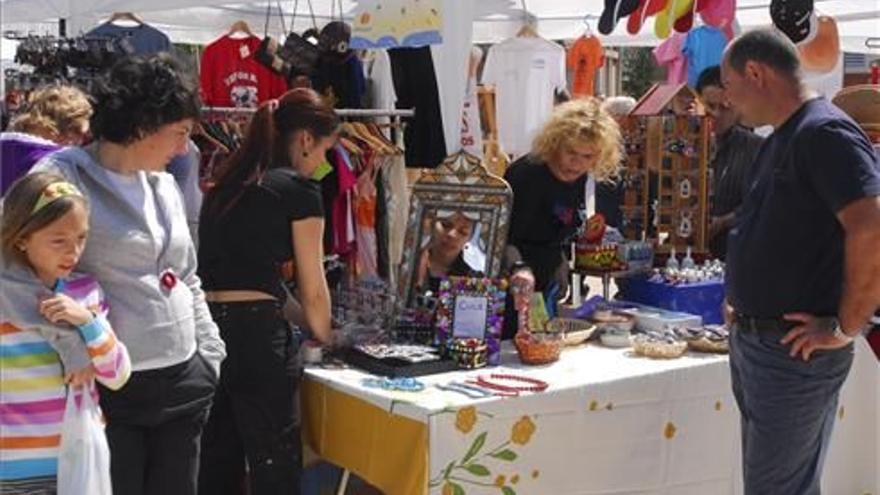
x: 803, y: 273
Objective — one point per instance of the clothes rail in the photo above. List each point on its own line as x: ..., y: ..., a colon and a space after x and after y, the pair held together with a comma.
x: 394, y: 115
x: 342, y: 112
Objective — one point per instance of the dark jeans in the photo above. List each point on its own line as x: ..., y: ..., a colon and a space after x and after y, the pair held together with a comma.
x: 154, y: 425
x: 254, y: 421
x: 787, y: 409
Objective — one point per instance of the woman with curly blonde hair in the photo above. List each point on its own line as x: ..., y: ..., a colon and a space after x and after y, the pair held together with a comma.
x: 55, y: 116
x: 579, y: 139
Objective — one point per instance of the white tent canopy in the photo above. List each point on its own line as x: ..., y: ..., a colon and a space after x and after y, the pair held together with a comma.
x: 200, y: 21
x: 465, y: 22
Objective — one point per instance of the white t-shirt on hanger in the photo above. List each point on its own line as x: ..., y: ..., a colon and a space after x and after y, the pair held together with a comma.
x: 471, y: 127
x: 526, y: 73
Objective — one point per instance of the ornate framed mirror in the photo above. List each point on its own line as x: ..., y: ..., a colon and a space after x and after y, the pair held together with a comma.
x: 458, y: 222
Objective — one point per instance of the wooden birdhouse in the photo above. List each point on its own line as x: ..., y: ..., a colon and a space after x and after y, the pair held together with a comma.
x: 667, y: 179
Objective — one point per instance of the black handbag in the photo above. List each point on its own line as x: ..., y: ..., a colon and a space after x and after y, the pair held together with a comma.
x: 296, y: 57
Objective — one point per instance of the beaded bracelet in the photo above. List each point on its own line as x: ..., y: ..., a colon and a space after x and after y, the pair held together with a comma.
x: 535, y: 384
x: 403, y: 384
x: 469, y: 353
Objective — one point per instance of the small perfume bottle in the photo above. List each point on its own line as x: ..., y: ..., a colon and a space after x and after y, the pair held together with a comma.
x: 688, y: 261
x: 672, y: 262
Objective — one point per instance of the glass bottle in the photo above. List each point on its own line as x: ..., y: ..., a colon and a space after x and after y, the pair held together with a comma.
x: 688, y: 261
x: 672, y: 262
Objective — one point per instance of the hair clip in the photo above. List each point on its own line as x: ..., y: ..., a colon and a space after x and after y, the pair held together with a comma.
x: 464, y: 389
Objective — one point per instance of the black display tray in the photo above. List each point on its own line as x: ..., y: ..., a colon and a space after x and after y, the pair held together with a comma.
x: 394, y: 367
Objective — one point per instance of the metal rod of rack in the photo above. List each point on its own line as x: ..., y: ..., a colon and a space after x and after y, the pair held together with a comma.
x: 342, y: 112
x: 395, y: 115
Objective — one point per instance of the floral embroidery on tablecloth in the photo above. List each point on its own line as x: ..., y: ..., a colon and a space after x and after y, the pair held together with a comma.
x: 475, y: 468
x: 669, y: 431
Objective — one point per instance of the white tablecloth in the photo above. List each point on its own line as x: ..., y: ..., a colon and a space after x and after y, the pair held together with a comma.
x: 612, y: 423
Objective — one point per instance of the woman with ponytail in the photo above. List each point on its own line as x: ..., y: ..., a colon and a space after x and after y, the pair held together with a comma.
x: 264, y: 211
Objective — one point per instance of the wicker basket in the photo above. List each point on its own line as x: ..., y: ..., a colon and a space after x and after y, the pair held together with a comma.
x: 574, y: 332
x: 706, y: 345
x: 644, y: 346
x: 542, y: 348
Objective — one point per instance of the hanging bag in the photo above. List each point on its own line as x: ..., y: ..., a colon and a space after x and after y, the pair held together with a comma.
x: 297, y: 56
x: 267, y: 53
x: 84, y: 456
x: 301, y: 54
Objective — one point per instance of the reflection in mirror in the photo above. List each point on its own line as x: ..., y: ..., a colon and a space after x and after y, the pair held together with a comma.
x: 457, y: 226
x: 450, y: 247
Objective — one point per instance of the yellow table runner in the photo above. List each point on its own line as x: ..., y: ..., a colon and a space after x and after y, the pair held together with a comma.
x: 388, y: 450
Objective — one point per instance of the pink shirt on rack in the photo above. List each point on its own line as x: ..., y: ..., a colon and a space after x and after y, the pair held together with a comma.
x: 669, y: 53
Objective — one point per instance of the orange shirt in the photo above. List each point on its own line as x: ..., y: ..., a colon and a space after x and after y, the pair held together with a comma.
x: 585, y: 57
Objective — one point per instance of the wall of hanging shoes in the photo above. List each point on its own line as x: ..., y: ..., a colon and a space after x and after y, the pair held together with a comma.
x: 681, y: 204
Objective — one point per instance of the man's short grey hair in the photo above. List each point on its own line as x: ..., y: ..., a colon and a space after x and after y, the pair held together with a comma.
x: 619, y: 106
x: 766, y: 46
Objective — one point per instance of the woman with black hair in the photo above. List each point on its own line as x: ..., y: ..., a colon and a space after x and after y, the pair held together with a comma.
x: 141, y: 252
x: 264, y: 211
x: 443, y: 255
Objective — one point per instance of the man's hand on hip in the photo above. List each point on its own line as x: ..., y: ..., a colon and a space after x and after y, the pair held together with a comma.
x: 810, y: 335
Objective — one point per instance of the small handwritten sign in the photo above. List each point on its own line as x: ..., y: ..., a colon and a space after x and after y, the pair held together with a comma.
x: 469, y: 318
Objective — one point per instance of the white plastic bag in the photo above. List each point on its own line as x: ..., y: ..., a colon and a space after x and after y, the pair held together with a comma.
x: 84, y: 456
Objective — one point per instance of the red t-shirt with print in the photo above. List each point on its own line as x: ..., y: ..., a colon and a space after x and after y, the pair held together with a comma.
x: 231, y: 76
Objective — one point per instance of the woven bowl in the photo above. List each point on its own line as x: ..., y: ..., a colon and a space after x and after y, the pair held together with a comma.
x: 536, y: 349
x: 705, y: 345
x: 573, y: 331
x: 658, y: 350
x: 616, y: 322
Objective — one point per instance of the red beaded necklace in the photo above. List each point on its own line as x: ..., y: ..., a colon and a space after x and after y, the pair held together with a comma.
x: 535, y: 384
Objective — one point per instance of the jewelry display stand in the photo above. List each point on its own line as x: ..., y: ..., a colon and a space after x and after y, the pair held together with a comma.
x: 667, y: 138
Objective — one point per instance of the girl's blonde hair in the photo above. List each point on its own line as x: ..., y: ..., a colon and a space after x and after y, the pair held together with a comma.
x: 53, y: 112
x: 582, y: 121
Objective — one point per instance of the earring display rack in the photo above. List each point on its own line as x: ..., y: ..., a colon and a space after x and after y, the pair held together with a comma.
x: 682, y: 183
x: 666, y: 180
x: 635, y: 180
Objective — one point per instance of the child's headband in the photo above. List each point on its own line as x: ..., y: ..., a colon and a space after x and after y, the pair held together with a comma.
x: 53, y: 191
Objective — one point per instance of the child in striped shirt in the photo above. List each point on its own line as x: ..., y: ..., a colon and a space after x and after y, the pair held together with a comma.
x: 53, y: 328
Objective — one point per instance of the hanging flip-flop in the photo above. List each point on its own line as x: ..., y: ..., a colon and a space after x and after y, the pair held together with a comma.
x: 822, y: 52
x: 666, y: 18
x: 647, y: 8
x: 686, y: 22
x: 792, y: 17
x: 718, y: 13
x: 613, y: 12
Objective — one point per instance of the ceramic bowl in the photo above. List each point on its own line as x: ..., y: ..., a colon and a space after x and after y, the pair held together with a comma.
x: 611, y: 321
x: 615, y: 339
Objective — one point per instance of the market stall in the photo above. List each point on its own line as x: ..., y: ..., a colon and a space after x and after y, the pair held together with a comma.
x: 450, y: 372
x: 608, y: 422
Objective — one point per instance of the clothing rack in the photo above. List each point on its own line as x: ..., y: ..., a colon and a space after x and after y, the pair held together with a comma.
x: 395, y: 115
x: 342, y: 112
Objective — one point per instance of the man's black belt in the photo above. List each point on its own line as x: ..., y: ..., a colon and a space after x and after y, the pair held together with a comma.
x: 763, y: 324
